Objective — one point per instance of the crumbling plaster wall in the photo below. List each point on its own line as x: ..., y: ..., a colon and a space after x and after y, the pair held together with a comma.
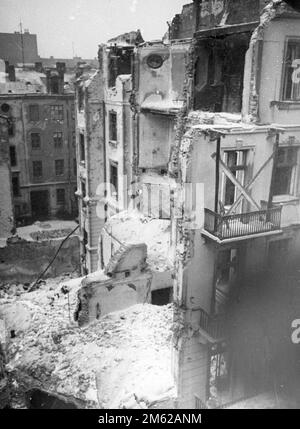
x: 6, y: 211
x: 22, y: 261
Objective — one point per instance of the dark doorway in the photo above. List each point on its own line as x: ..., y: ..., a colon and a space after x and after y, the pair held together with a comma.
x: 162, y: 296
x: 39, y: 204
x: 38, y: 400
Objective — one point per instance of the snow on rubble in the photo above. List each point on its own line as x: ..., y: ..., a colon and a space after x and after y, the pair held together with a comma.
x: 122, y: 360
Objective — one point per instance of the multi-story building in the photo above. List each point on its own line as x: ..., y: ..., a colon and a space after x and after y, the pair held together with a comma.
x: 41, y: 141
x: 240, y: 139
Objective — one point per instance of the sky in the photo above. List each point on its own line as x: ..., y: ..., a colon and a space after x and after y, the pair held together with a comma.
x: 65, y: 27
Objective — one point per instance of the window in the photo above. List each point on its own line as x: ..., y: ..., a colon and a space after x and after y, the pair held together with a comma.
x: 37, y: 169
x: 285, y: 170
x: 35, y: 141
x: 74, y: 167
x: 113, y: 126
x: 291, y: 83
x: 15, y: 184
x: 60, y: 196
x: 59, y: 167
x: 57, y: 113
x: 13, y: 156
x: 58, y: 139
x: 82, y: 147
x: 236, y: 162
x: 34, y: 115
x: 113, y: 169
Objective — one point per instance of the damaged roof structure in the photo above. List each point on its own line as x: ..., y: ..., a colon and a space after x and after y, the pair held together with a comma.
x: 188, y: 156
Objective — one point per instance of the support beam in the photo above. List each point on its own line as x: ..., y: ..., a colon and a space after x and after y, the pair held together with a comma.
x: 275, y: 161
x: 236, y: 183
x: 248, y: 186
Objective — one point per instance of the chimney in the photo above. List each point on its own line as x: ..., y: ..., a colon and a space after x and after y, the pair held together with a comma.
x: 11, y: 73
x: 61, y: 69
x: 38, y: 66
x: 48, y: 81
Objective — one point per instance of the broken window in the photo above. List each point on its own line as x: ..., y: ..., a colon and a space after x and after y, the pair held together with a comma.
x: 113, y: 170
x: 35, y: 140
x: 37, y: 169
x: 58, y: 139
x: 15, y: 184
x: 60, y: 196
x: 113, y: 126
x: 13, y: 156
x: 291, y: 77
x: 59, y: 167
x: 34, y: 115
x: 285, y: 171
x: 57, y: 113
x: 236, y: 162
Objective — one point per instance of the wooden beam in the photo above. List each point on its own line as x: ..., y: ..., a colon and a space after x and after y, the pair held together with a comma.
x: 248, y: 186
x: 237, y: 183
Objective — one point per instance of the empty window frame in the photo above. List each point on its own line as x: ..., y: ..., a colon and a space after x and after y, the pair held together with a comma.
x: 57, y: 113
x: 16, y: 184
x: 59, y: 167
x: 113, y: 126
x: 82, y: 147
x: 37, y: 169
x: 60, y: 196
x: 236, y: 162
x: 34, y: 114
x: 291, y: 72
x: 58, y: 139
x: 13, y: 156
x: 285, y: 171
x: 35, y: 141
x: 113, y: 176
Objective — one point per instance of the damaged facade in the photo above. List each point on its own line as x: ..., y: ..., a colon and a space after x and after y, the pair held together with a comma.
x: 40, y: 106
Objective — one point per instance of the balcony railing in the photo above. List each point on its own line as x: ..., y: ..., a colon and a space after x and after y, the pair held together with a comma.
x: 226, y: 227
x: 213, y: 326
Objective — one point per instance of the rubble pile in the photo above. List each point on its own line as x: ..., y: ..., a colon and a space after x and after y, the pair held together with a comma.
x: 122, y: 360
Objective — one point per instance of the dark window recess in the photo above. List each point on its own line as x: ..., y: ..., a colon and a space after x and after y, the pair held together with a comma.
x: 37, y: 169
x: 286, y: 163
x: 57, y: 113
x: 11, y: 128
x: 13, y: 156
x: 60, y: 196
x: 59, y: 167
x: 236, y: 162
x: 5, y: 108
x: 74, y: 166
x: 35, y: 141
x: 15, y: 185
x: 80, y: 99
x: 291, y: 85
x: 113, y: 126
x: 161, y: 296
x: 82, y: 147
x: 113, y: 170
x: 58, y: 139
x: 34, y: 114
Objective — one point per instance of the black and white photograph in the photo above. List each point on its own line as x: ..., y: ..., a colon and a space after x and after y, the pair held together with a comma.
x: 149, y: 208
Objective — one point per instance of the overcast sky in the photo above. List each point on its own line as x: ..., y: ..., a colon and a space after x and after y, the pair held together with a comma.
x: 86, y: 23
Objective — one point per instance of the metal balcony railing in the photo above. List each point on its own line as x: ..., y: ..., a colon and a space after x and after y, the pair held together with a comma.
x: 226, y: 227
x: 213, y: 326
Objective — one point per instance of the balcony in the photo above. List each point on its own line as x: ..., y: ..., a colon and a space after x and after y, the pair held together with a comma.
x: 212, y: 328
x: 241, y: 226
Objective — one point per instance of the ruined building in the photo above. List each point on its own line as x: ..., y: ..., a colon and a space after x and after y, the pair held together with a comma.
x: 189, y: 153
x: 40, y: 106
